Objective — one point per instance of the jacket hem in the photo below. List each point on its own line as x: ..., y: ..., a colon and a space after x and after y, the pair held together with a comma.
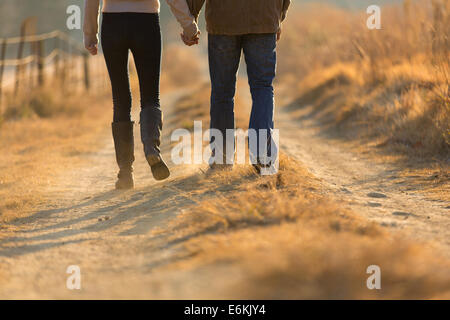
x: 251, y: 30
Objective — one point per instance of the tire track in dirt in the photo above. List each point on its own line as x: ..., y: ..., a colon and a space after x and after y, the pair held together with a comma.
x: 372, y: 189
x: 375, y: 190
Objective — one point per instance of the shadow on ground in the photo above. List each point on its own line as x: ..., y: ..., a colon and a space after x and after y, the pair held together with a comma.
x: 126, y: 213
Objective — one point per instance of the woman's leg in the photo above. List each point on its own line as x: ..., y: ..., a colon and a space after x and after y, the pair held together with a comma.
x: 145, y: 44
x: 146, y: 47
x: 115, y: 49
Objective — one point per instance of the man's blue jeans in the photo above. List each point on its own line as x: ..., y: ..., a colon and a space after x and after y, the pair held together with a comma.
x: 224, y: 57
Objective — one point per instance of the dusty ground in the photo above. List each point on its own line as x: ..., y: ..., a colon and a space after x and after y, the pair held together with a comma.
x: 118, y: 238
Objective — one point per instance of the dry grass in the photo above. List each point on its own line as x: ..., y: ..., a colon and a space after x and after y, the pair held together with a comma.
x: 42, y: 103
x: 44, y: 133
x: 281, y: 232
x: 384, y: 92
x: 291, y: 242
x: 283, y: 238
x: 403, y: 113
x: 390, y: 86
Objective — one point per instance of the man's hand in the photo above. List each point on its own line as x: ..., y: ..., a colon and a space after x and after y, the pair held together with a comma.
x: 279, y: 34
x: 190, y: 41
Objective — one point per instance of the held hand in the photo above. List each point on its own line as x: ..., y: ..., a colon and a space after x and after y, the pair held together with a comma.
x: 190, y: 41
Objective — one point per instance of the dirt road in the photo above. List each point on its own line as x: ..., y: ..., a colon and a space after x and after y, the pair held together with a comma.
x: 375, y: 189
x: 110, y: 234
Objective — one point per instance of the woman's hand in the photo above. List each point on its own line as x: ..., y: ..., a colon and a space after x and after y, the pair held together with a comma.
x: 93, y: 49
x: 91, y: 44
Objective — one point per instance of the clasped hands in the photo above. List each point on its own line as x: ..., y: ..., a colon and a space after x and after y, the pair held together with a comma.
x: 190, y: 41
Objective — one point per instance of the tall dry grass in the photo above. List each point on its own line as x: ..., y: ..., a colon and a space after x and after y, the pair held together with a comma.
x: 46, y: 102
x: 390, y: 86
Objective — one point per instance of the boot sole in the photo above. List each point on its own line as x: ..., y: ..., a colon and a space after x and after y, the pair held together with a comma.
x: 159, y: 168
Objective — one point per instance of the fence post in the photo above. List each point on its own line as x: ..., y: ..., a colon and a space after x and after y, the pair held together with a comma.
x: 70, y: 59
x: 40, y: 62
x: 64, y: 63
x: 33, y: 64
x: 2, y: 68
x: 28, y: 27
x: 19, y: 66
x: 58, y: 53
x: 87, y: 80
x: 66, y: 50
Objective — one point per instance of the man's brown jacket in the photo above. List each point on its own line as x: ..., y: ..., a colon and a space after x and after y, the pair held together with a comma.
x: 234, y: 17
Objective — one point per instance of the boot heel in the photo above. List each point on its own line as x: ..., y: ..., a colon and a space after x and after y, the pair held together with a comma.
x: 124, y: 181
x: 151, y: 126
x: 153, y: 160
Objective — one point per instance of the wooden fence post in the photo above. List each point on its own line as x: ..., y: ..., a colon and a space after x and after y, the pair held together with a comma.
x: 58, y: 53
x: 71, y: 64
x: 28, y: 27
x: 40, y: 62
x: 2, y: 68
x: 64, y: 63
x: 31, y: 65
x: 87, y: 80
x: 66, y: 52
x: 19, y: 66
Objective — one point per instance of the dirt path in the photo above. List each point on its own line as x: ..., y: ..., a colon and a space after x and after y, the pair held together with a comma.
x: 109, y: 234
x: 106, y: 233
x: 376, y: 190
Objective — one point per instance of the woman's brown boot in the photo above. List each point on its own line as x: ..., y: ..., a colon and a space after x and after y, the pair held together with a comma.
x: 151, y: 126
x: 124, y: 145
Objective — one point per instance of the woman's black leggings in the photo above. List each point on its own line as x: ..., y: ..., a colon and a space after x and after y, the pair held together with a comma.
x: 139, y: 33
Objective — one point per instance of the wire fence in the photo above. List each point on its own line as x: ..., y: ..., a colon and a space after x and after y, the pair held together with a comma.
x: 45, y: 59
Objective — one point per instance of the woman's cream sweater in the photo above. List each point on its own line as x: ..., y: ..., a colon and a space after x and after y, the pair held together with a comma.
x: 179, y: 8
